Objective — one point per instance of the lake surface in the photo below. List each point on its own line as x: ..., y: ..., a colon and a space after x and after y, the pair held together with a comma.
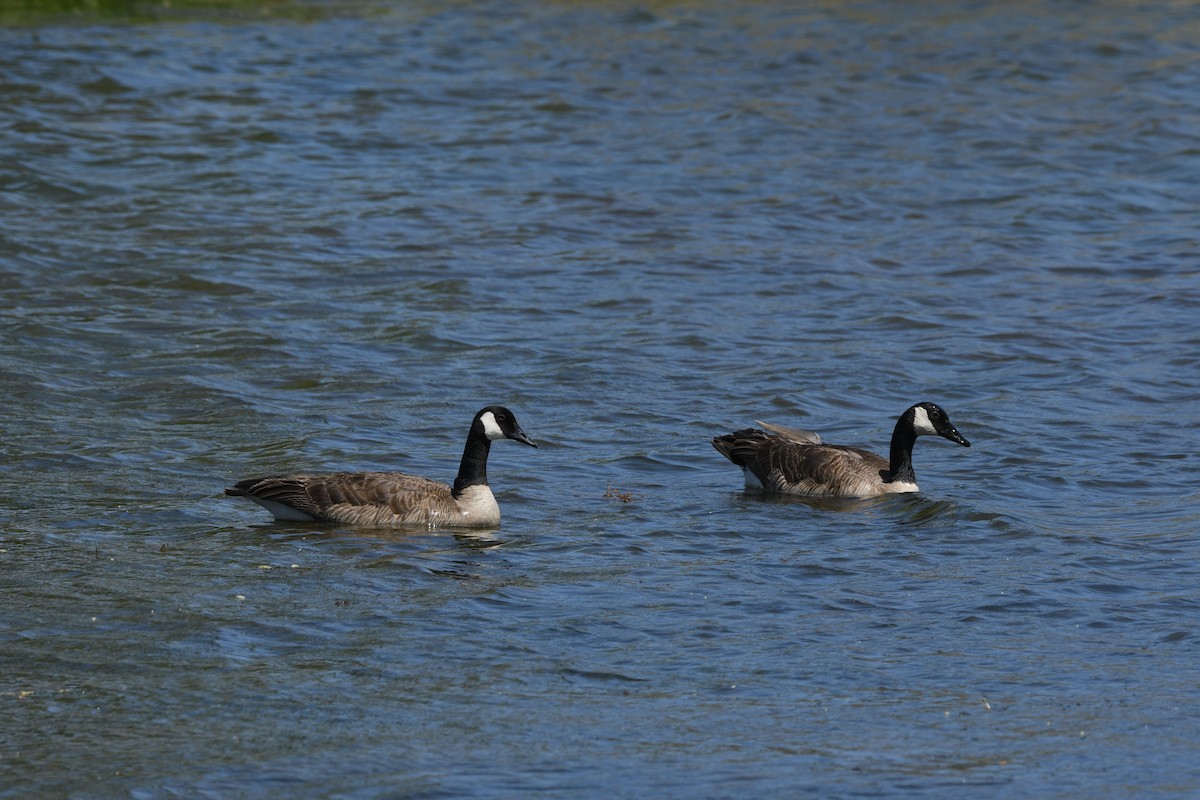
x: 321, y: 238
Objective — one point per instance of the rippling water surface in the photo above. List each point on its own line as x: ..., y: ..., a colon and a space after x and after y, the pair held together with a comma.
x: 240, y: 244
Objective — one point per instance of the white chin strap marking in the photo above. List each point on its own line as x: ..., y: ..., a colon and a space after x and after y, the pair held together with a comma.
x: 490, y: 427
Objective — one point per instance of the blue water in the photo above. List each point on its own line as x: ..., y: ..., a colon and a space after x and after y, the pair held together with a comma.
x: 322, y: 237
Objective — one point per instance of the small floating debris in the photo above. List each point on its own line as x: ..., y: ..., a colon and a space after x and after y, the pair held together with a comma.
x: 617, y: 494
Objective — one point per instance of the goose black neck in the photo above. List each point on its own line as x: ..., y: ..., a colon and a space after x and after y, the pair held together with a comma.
x: 472, y: 470
x: 900, y: 466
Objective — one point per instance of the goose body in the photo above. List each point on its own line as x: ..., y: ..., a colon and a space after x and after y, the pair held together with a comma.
x: 394, y: 499
x: 792, y: 461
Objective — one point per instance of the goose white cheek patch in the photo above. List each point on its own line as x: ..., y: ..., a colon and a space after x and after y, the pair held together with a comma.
x: 490, y: 427
x: 921, y: 423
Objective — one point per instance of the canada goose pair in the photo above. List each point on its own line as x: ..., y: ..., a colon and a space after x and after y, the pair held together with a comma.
x: 778, y: 459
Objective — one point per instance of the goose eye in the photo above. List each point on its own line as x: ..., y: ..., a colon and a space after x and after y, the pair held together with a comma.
x: 935, y: 414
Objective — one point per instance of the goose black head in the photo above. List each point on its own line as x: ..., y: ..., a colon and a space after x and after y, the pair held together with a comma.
x: 931, y: 419
x: 497, y: 422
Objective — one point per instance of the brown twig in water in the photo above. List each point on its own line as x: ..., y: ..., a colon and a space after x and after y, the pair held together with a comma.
x: 616, y: 494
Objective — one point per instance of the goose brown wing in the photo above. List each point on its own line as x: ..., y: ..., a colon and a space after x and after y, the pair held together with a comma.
x: 815, y: 469
x: 798, y: 435
x: 351, y: 496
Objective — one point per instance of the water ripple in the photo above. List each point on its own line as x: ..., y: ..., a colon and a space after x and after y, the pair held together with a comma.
x: 323, y: 238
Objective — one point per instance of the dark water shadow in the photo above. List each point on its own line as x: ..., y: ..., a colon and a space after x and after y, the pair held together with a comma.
x: 321, y: 533
x: 836, y: 504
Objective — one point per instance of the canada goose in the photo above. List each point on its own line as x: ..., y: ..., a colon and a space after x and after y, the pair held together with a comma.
x: 395, y: 499
x: 792, y: 461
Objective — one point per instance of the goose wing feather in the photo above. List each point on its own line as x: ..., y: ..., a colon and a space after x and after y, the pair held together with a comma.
x: 356, y: 497
x: 819, y: 469
x: 798, y: 435
x: 782, y: 464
